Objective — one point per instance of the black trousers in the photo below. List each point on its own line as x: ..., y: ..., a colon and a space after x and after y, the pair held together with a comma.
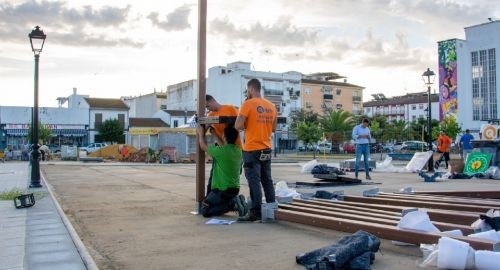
x: 446, y: 156
x: 219, y: 202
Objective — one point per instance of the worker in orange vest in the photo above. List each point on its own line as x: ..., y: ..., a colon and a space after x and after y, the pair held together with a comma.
x: 443, y: 145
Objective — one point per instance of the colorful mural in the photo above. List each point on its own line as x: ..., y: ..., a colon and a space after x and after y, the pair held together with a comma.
x: 448, y: 105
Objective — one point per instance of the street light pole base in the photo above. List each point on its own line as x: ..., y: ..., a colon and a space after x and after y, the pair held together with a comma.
x: 35, y: 185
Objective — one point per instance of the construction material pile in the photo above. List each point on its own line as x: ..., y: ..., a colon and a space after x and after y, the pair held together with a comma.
x: 380, y: 214
x: 143, y: 155
x: 114, y: 152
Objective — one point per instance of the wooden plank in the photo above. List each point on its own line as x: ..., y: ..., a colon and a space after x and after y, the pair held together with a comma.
x: 383, y: 231
x: 438, y: 199
x: 347, y: 211
x: 342, y: 205
x: 483, y: 194
x: 381, y: 219
x: 462, y: 217
x: 411, y: 203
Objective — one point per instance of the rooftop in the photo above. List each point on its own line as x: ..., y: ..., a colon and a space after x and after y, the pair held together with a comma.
x: 106, y: 103
x: 310, y: 81
x: 410, y: 98
x: 180, y: 112
x: 147, y: 122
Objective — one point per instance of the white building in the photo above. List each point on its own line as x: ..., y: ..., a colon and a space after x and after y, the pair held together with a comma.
x: 183, y: 96
x: 468, y: 75
x: 408, y: 107
x: 145, y: 106
x: 102, y: 109
x: 174, y: 118
x: 69, y: 126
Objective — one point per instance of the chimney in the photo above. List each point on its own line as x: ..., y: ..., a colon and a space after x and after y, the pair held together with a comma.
x: 345, y: 80
x: 74, y: 91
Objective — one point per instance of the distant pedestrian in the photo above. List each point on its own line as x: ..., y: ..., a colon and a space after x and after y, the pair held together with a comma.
x: 257, y: 117
x: 44, y: 151
x: 444, y: 145
x: 362, y: 136
x: 465, y: 144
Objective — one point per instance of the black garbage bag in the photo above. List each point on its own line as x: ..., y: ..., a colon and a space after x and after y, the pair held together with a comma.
x: 325, y: 169
x: 323, y: 194
x: 494, y: 222
x: 343, y: 254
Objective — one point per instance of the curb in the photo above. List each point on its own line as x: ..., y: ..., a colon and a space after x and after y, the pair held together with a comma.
x: 82, y: 250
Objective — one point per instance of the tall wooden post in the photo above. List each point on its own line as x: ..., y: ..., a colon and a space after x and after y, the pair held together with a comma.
x: 202, y: 48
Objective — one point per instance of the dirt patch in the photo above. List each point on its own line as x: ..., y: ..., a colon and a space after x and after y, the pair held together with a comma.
x: 138, y: 217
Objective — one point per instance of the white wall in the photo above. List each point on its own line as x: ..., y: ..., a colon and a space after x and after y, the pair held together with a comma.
x: 106, y: 115
x: 182, y: 96
x: 60, y: 116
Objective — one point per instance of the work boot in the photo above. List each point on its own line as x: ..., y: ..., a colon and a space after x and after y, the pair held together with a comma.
x: 368, y: 177
x: 356, y: 175
x: 252, y: 215
x: 240, y: 205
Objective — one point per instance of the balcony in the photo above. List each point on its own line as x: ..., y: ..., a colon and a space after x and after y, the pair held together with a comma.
x: 326, y: 96
x: 356, y: 99
x: 273, y: 92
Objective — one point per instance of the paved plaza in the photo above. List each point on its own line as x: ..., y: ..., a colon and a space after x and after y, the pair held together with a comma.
x: 137, y: 216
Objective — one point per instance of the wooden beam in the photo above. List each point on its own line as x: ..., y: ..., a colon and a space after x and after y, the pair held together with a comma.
x: 383, y: 231
x: 430, y: 198
x: 464, y: 218
x: 482, y: 194
x: 202, y: 58
x: 388, y: 220
x: 421, y: 204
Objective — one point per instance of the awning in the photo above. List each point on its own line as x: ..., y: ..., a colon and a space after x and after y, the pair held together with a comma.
x: 17, y: 132
x: 70, y: 132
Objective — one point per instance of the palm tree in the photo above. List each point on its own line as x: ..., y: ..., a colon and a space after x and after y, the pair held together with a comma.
x: 396, y: 130
x: 337, y: 125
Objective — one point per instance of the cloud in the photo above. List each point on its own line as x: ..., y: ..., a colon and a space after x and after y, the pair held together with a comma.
x: 67, y: 26
x: 281, y: 33
x: 175, y: 21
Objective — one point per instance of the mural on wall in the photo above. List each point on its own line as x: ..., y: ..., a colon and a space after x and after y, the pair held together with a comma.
x: 448, y: 105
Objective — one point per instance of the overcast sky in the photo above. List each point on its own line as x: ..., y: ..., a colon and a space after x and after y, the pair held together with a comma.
x: 119, y: 48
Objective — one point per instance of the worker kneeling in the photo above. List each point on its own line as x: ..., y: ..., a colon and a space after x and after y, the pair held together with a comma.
x: 226, y: 175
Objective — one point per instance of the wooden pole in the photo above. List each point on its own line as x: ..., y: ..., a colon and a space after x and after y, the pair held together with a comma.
x: 202, y: 47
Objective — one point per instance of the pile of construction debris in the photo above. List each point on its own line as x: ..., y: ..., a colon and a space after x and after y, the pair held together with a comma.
x: 386, y: 215
x: 143, y: 155
x: 114, y: 152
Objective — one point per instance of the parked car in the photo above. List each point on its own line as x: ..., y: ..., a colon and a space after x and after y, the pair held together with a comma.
x: 376, y: 148
x: 93, y: 147
x: 349, y: 148
x: 414, y: 146
x: 308, y: 147
x: 324, y: 148
x: 54, y: 148
x: 388, y: 147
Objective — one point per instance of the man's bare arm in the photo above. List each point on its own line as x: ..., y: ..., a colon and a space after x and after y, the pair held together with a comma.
x: 240, y: 122
x: 201, y: 138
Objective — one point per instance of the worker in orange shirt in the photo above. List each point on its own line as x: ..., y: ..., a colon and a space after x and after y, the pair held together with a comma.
x: 217, y: 109
x: 443, y: 145
x: 257, y: 118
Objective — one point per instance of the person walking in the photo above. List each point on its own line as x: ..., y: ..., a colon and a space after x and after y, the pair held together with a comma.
x: 257, y: 117
x: 443, y: 145
x: 465, y: 144
x: 217, y: 109
x: 361, y: 136
x: 223, y: 196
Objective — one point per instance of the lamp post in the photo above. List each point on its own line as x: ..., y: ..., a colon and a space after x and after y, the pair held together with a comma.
x: 428, y: 77
x: 37, y: 39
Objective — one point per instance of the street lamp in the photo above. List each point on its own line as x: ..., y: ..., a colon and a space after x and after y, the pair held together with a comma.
x: 428, y: 77
x: 37, y: 39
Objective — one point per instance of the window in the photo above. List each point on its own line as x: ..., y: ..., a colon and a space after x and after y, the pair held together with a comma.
x: 421, y: 106
x: 98, y: 120
x: 339, y: 106
x: 176, y: 123
x: 339, y: 91
x: 163, y: 107
x: 307, y: 90
x: 413, y: 118
x: 484, y: 96
x: 308, y: 104
x: 121, y: 119
x: 413, y: 107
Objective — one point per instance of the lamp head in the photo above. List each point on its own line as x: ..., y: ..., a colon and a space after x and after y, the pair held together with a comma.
x: 37, y: 39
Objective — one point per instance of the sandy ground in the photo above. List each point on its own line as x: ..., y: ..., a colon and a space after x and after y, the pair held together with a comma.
x: 138, y: 217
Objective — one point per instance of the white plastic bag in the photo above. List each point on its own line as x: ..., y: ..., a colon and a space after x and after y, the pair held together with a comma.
x: 282, y: 190
x: 307, y: 167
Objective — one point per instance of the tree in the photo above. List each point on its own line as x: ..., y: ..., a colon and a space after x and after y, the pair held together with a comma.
x: 302, y: 115
x: 336, y: 125
x: 396, y: 130
x: 450, y: 127
x: 44, y: 133
x: 308, y: 132
x: 111, y: 130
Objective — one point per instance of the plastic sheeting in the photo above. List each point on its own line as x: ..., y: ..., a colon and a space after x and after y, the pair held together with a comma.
x: 387, y: 166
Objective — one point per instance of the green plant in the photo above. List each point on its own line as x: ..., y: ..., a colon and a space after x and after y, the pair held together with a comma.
x: 10, y: 194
